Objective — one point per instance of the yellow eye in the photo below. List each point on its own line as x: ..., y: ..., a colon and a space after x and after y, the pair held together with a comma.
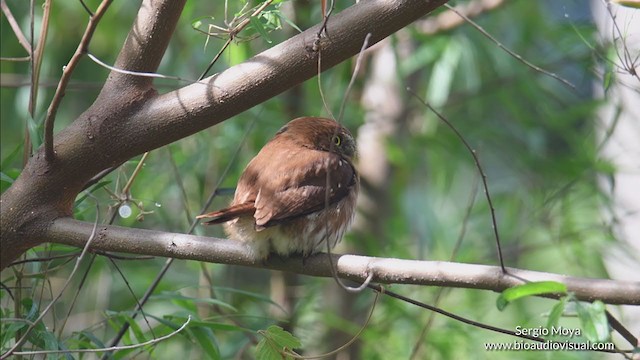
x: 337, y: 140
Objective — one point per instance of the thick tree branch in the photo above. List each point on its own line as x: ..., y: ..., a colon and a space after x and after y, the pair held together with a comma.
x: 177, y: 114
x: 145, y: 45
x: 386, y: 270
x: 128, y: 118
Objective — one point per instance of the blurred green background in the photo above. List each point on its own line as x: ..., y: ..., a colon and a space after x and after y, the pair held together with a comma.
x: 537, y: 139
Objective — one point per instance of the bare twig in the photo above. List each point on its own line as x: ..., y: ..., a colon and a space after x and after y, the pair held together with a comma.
x: 340, y: 348
x: 178, y: 179
x: 86, y: 8
x: 472, y: 151
x: 454, y: 253
x: 112, y: 348
x: 127, y: 187
x: 509, y: 51
x: 448, y: 20
x: 626, y: 59
x: 36, y: 65
x: 169, y: 261
x: 232, y: 35
x: 16, y: 59
x: 15, y: 27
x: 44, y: 312
x: 47, y: 258
x: 385, y: 270
x: 365, y: 45
x: 66, y: 76
x: 356, y: 70
x: 459, y: 318
x: 139, y: 73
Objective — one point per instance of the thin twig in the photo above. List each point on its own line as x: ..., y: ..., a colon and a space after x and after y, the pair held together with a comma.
x: 628, y: 63
x: 459, y: 318
x: 64, y: 287
x: 623, y: 331
x: 494, y: 222
x: 124, y: 258
x: 16, y: 59
x: 320, y: 91
x: 345, y: 345
x: 15, y: 27
x: 66, y: 76
x: 169, y: 261
x: 448, y: 20
x: 125, y: 191
x: 232, y: 34
x: 133, y: 294
x: 36, y: 65
x: 215, y: 58
x: 86, y: 8
x: 508, y: 51
x: 112, y: 348
x: 42, y: 259
x: 454, y: 253
x: 127, y: 187
x: 139, y: 73
x: 356, y: 70
x: 178, y: 178
x: 365, y: 44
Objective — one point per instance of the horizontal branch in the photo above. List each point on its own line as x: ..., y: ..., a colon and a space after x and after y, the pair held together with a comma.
x: 385, y: 270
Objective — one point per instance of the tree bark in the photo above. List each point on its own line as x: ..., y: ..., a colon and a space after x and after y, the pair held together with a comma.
x: 129, y: 117
x: 357, y: 268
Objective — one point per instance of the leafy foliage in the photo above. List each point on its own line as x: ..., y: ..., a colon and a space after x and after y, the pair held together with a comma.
x: 537, y: 140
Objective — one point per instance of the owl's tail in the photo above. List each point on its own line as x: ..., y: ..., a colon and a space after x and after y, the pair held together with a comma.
x: 228, y: 214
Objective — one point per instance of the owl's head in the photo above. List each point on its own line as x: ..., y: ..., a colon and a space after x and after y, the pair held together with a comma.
x: 320, y: 134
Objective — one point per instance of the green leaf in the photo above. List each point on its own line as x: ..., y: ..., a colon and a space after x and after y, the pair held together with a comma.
x: 556, y: 312
x: 7, y: 160
x: 594, y: 321
x: 529, y: 289
x: 6, y: 178
x: 183, y: 300
x: 34, y: 133
x: 287, y: 20
x: 32, y: 309
x: 282, y: 337
x: 443, y: 73
x: 207, y: 341
x: 198, y: 22
x: 257, y: 26
x: 607, y: 81
x: 9, y: 330
x: 219, y: 326
x: 275, y: 341
x: 252, y: 295
x: 92, y: 339
x: 267, y: 351
x: 137, y: 331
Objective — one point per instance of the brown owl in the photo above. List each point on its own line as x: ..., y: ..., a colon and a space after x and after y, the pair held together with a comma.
x: 298, y: 192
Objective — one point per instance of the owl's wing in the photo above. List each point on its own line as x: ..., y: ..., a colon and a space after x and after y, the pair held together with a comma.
x: 302, y: 186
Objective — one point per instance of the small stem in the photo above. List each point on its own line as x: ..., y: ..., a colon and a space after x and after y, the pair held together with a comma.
x: 66, y: 76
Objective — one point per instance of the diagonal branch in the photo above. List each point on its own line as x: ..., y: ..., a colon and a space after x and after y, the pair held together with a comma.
x: 66, y: 76
x: 128, y: 118
x: 385, y: 270
x: 15, y: 27
x: 180, y: 113
x: 144, y: 47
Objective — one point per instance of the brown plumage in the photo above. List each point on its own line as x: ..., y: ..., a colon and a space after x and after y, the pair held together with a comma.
x: 297, y: 193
